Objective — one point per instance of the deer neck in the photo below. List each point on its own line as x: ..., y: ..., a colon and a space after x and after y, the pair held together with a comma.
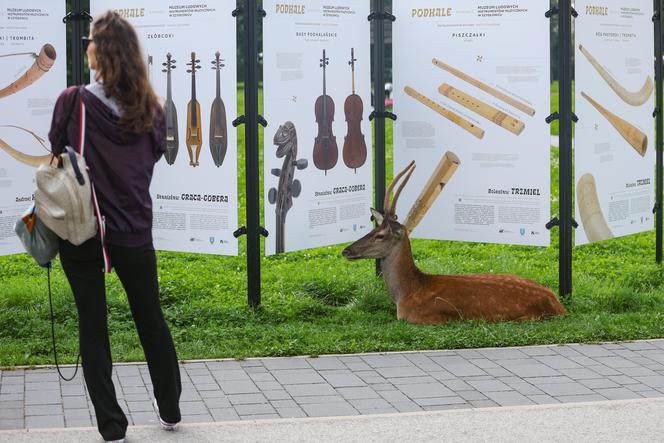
x: 399, y: 271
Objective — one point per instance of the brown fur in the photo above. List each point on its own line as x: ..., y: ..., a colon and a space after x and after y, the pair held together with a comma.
x: 423, y: 298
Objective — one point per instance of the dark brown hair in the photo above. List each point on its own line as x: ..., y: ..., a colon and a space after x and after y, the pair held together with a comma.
x: 121, y: 67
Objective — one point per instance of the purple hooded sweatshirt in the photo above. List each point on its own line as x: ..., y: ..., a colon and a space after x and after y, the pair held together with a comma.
x: 121, y: 163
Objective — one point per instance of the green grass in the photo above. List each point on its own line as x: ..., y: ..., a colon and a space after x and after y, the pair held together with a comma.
x: 314, y: 302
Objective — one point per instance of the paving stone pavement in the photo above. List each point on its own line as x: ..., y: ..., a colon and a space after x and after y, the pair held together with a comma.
x: 350, y: 385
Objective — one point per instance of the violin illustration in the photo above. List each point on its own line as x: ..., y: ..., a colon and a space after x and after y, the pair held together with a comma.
x: 326, y: 152
x: 355, y: 148
x: 286, y: 140
x: 194, y: 131
x: 171, y: 115
x: 218, y: 128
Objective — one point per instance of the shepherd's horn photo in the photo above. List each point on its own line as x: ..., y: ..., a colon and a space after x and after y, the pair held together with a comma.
x: 594, y: 223
x: 631, y: 98
x: 30, y: 160
x: 629, y: 132
x: 42, y: 64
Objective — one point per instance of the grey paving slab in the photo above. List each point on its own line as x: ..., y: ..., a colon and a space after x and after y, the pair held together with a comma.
x: 329, y: 409
x: 358, y: 393
x: 348, y: 385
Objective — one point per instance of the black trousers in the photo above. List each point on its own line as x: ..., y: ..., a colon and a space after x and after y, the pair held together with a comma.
x: 137, y: 270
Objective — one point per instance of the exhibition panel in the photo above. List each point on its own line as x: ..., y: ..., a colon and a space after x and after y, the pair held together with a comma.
x: 190, y: 52
x: 615, y: 134
x: 469, y: 85
x: 33, y: 58
x: 318, y: 145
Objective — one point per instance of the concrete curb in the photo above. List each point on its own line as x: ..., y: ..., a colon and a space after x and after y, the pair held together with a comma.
x: 625, y: 420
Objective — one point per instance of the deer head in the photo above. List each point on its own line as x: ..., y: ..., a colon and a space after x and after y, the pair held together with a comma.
x: 389, y: 232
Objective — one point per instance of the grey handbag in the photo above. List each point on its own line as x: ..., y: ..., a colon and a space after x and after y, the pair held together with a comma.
x: 39, y: 242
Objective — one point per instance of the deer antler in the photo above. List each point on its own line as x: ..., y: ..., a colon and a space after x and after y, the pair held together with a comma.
x: 401, y: 186
x: 386, y: 204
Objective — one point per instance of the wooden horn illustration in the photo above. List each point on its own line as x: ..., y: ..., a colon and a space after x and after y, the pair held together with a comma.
x: 30, y: 160
x: 629, y: 132
x: 484, y: 109
x: 451, y: 116
x: 440, y: 177
x: 484, y: 87
x: 631, y: 98
x: 43, y: 63
x: 594, y: 223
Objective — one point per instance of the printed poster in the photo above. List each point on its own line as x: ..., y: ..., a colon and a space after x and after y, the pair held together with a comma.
x: 472, y: 91
x: 33, y: 62
x: 318, y: 145
x: 615, y: 134
x: 190, y: 52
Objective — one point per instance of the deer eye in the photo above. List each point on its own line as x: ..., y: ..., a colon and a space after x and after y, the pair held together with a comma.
x: 379, y: 237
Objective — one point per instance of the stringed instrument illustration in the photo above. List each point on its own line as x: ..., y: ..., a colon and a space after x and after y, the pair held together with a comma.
x: 218, y: 128
x: 194, y: 131
x: 286, y: 141
x: 170, y: 114
x: 326, y: 151
x: 355, y: 148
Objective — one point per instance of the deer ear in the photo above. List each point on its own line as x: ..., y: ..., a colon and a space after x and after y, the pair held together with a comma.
x: 377, y: 216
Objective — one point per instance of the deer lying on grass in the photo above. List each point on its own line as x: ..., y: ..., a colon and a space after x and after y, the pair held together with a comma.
x: 423, y: 298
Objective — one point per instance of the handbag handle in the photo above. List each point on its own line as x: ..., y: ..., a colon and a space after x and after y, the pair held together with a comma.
x: 77, y: 171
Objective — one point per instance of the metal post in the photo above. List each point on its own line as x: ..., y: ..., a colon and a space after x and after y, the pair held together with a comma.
x: 251, y: 149
x: 379, y: 107
x: 565, y: 172
x: 77, y: 48
x: 658, y: 115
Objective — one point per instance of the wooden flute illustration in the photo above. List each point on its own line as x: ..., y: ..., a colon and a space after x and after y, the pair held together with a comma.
x: 631, y: 98
x: 484, y: 109
x: 218, y: 124
x: 440, y: 177
x: 171, y: 115
x: 592, y: 217
x: 194, y: 130
x: 637, y: 139
x: 484, y: 87
x: 451, y: 116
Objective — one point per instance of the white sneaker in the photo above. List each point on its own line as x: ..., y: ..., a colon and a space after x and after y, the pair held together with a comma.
x: 164, y: 424
x: 122, y: 440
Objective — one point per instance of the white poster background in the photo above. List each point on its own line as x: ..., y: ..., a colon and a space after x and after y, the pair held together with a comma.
x: 334, y: 207
x: 501, y: 191
x: 620, y: 36
x: 195, y: 209
x: 26, y: 26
